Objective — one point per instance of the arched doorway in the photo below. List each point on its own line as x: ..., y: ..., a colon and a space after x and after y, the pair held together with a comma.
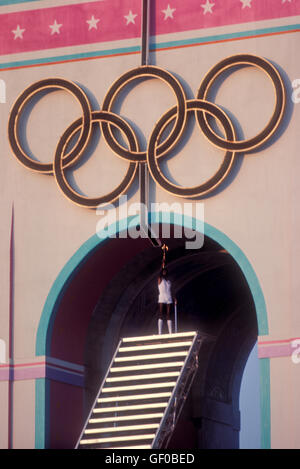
x: 87, y: 312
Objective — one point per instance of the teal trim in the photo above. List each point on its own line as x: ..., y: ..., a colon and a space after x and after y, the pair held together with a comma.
x: 223, y: 37
x: 265, y: 404
x: 248, y: 271
x: 41, y: 412
x: 44, y: 333
x: 153, y: 46
x: 47, y: 319
x: 69, y: 57
x: 15, y: 2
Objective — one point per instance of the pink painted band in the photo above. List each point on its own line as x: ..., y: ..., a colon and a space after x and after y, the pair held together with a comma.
x: 280, y: 348
x: 25, y: 371
x: 278, y: 341
x: 114, y: 20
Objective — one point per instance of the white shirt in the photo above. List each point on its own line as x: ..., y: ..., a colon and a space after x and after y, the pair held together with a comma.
x: 164, y: 289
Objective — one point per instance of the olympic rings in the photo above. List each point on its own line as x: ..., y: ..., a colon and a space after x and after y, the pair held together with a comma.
x: 18, y: 107
x: 157, y: 146
x: 97, y: 116
x: 178, y: 128
x: 192, y: 105
x: 267, y: 132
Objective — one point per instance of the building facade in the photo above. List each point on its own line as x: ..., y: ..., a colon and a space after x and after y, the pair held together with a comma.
x: 219, y: 96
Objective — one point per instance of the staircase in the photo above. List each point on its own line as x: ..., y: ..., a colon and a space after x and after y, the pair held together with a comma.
x: 142, y: 393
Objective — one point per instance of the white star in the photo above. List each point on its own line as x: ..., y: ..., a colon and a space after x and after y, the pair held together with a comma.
x: 168, y: 12
x: 207, y: 7
x: 55, y: 28
x: 93, y: 23
x: 246, y: 3
x: 130, y: 18
x: 18, y: 32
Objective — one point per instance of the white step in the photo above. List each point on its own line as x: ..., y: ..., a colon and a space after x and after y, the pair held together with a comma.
x: 170, y: 374
x: 145, y: 367
x: 124, y: 428
x: 134, y: 397
x: 136, y: 387
x: 118, y: 438
x: 136, y: 348
x: 151, y: 357
x: 116, y: 409
x: 127, y: 418
x: 159, y: 337
x: 150, y: 393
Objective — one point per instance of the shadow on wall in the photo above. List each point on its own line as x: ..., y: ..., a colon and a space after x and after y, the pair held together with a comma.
x: 214, y: 298
x: 250, y: 433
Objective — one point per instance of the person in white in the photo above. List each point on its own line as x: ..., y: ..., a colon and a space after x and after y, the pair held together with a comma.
x: 165, y: 300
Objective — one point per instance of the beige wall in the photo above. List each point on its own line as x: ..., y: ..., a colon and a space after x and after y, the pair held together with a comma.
x: 255, y: 210
x: 285, y: 411
x: 23, y: 414
x: 3, y: 415
x: 258, y: 210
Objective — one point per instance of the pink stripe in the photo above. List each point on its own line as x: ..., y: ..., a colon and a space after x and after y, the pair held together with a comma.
x: 274, y: 351
x: 29, y: 373
x: 22, y: 365
x: 113, y: 24
x: 32, y: 371
x: 278, y: 341
x: 279, y: 348
x: 74, y: 29
x: 191, y: 15
x: 12, y: 373
x: 4, y: 374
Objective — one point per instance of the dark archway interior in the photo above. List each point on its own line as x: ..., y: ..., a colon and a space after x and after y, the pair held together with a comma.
x: 213, y: 298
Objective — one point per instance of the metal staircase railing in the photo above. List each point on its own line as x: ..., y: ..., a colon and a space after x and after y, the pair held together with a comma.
x: 143, y: 392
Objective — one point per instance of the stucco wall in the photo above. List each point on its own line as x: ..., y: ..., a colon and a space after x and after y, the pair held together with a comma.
x: 257, y: 209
